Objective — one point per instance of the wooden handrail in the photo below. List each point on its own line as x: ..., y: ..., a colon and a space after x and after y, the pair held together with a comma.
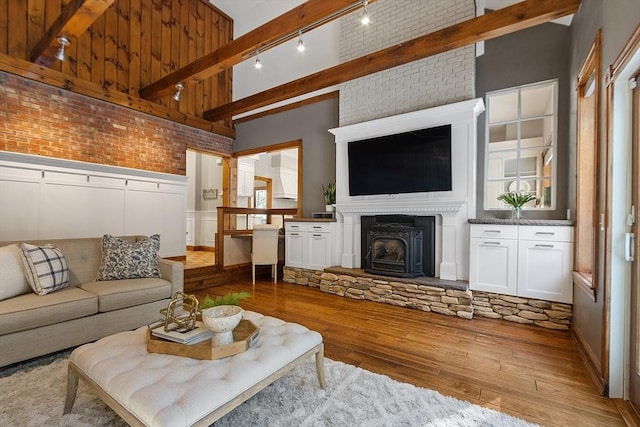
x: 231, y: 210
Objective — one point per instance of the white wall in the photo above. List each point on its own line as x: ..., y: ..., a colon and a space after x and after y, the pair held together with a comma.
x: 204, y: 172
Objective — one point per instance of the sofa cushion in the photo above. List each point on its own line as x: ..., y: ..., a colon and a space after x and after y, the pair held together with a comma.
x: 45, y: 268
x: 124, y: 260
x: 13, y: 282
x: 117, y: 294
x: 31, y: 311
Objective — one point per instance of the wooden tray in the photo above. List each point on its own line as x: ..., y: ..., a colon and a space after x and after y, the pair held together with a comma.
x: 244, y: 336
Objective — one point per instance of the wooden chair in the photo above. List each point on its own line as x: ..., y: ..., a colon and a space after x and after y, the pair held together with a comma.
x: 264, y: 249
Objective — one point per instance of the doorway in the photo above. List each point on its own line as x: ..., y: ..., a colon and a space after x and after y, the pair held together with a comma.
x: 275, y: 175
x: 204, y: 195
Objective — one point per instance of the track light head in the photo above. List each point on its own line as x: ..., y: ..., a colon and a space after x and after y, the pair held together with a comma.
x: 365, y: 15
x: 64, y: 42
x: 258, y: 64
x: 301, y: 46
x: 176, y: 96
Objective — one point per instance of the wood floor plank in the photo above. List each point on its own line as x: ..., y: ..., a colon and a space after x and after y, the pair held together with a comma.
x: 521, y: 370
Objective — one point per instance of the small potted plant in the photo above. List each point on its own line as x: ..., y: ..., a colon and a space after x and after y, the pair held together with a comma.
x: 516, y: 201
x: 232, y: 298
x: 329, y: 193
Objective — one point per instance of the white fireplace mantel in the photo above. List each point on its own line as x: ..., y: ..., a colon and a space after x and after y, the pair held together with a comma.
x: 451, y: 208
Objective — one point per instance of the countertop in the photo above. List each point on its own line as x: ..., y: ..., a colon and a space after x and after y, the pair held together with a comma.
x: 310, y: 220
x: 545, y: 222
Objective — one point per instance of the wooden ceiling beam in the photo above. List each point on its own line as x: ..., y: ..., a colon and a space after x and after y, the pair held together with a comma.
x: 75, y: 19
x: 500, y: 22
x: 271, y: 34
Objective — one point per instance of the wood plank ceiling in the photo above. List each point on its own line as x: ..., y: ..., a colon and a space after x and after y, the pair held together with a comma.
x: 135, y: 52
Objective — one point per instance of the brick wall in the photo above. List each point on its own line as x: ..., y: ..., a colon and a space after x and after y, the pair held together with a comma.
x: 44, y: 120
x: 437, y: 80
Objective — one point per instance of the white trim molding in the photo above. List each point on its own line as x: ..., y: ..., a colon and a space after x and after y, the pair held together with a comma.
x: 451, y: 208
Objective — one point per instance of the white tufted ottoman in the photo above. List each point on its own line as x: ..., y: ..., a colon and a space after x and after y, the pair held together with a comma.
x: 162, y: 390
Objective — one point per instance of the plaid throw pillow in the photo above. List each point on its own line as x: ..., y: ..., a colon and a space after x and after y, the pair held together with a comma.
x: 124, y: 260
x: 45, y: 267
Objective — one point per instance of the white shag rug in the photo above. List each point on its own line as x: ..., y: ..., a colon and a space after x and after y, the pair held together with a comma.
x: 33, y: 395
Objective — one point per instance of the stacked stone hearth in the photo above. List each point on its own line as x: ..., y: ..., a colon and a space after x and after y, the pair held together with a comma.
x: 443, y: 297
x: 550, y: 315
x: 395, y: 291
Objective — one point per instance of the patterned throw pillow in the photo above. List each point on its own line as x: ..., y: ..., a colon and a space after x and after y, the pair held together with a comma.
x: 124, y: 260
x: 45, y: 267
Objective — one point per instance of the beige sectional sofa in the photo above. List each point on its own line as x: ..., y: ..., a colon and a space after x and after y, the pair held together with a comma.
x: 32, y: 325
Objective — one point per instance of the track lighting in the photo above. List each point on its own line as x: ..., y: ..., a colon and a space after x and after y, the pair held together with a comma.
x: 258, y: 64
x: 63, y: 43
x: 365, y: 16
x: 300, y: 42
x: 176, y: 96
x: 300, y: 46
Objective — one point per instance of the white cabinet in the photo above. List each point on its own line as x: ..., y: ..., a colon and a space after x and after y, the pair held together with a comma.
x: 494, y: 259
x: 527, y: 261
x: 294, y: 243
x: 545, y: 259
x: 246, y: 168
x: 309, y: 244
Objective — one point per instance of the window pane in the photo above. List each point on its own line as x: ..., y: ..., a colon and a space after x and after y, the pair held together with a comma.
x: 537, y: 101
x: 503, y: 132
x: 520, y: 144
x: 494, y: 189
x: 503, y: 107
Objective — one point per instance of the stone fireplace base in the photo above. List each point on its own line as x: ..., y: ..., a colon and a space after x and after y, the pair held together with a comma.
x: 432, y: 294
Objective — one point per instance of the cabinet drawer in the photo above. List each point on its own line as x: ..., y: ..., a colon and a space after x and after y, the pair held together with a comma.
x: 312, y: 227
x: 547, y: 234
x: 319, y: 227
x: 494, y: 231
x: 294, y: 226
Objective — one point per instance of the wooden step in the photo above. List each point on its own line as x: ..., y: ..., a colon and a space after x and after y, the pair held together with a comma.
x: 204, y: 277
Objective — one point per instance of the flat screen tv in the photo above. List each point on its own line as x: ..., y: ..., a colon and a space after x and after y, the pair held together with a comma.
x: 409, y: 162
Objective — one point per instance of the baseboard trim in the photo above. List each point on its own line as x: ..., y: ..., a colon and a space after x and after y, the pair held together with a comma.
x: 627, y: 412
x: 201, y: 248
x: 591, y: 361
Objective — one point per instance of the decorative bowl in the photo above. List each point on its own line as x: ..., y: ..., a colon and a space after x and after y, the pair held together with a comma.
x: 221, y: 320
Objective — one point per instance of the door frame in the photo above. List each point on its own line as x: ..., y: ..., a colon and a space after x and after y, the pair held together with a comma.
x: 279, y: 147
x: 616, y: 323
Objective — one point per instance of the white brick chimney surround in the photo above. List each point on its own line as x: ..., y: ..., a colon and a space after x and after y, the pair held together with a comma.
x: 452, y: 208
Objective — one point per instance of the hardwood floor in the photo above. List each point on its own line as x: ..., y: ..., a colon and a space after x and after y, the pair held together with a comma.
x: 528, y: 372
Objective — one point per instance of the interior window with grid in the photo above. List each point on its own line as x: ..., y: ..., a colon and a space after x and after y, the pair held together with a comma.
x: 521, y: 144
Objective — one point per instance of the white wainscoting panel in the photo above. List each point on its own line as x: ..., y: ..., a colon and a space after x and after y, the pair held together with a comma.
x: 72, y: 205
x: 208, y: 228
x: 191, y: 228
x: 46, y: 198
x: 19, y: 203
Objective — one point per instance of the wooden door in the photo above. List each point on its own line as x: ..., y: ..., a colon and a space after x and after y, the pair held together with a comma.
x: 634, y: 371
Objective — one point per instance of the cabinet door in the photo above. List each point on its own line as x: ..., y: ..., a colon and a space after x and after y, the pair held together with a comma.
x: 544, y: 270
x: 318, y: 250
x: 493, y: 266
x: 245, y: 180
x: 294, y: 249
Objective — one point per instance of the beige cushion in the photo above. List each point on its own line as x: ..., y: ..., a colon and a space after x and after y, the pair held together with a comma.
x: 12, y: 279
x: 117, y: 294
x: 31, y: 311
